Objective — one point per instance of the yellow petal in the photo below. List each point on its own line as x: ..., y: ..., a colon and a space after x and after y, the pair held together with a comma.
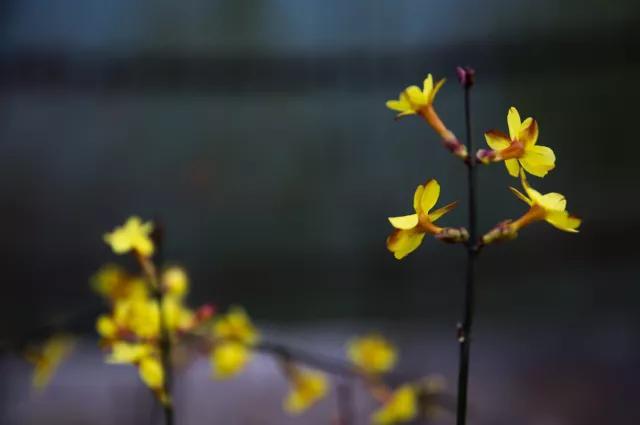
x: 430, y: 195
x: 528, y: 134
x: 554, y: 201
x: 538, y: 160
x: 402, y: 407
x: 400, y: 105
x: 497, y: 140
x: 106, y: 327
x: 416, y: 97
x: 228, y: 359
x: 405, y: 222
x: 433, y: 216
x: 404, y: 242
x: 534, y: 195
x: 151, y: 372
x: 513, y: 121
x: 436, y: 89
x: 307, y: 387
x: 512, y: 167
x: 372, y: 353
x: 417, y: 196
x: 427, y: 86
x: 520, y: 195
x: 563, y: 221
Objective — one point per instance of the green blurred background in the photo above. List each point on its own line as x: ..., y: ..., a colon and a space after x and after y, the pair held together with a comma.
x: 256, y: 133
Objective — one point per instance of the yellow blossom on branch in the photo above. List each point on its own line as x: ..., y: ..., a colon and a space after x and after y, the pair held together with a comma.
x: 233, y: 334
x: 307, y: 388
x: 372, y: 353
x: 401, y: 407
x: 113, y: 283
x: 145, y: 357
x: 519, y: 148
x: 236, y: 326
x: 47, y: 357
x: 152, y: 374
x: 175, y: 281
x: 228, y: 359
x: 134, y: 236
x: 550, y: 207
x: 411, y: 229
x: 129, y: 352
x: 414, y: 100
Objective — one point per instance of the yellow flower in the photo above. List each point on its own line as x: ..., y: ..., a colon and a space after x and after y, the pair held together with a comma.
x: 550, y: 207
x: 372, y: 353
x: 133, y: 236
x: 151, y: 372
x: 129, y: 353
x: 228, y: 359
x: 177, y: 316
x: 106, y: 327
x: 175, y: 281
x: 47, y: 357
x: 236, y: 326
x: 413, y: 100
x: 113, y: 283
x: 138, y: 316
x: 519, y: 148
x: 402, y: 407
x: 307, y: 387
x: 410, y: 229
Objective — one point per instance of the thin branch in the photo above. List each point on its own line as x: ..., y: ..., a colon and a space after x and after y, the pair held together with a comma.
x: 466, y: 76
x: 165, y: 339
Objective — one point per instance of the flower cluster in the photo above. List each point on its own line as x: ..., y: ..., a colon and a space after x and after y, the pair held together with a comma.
x: 144, y: 309
x: 373, y: 356
x: 520, y: 153
x: 47, y: 357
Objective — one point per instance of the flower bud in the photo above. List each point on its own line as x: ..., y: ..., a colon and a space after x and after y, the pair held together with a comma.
x: 453, y: 235
x: 503, y: 231
x: 466, y: 75
x: 486, y: 156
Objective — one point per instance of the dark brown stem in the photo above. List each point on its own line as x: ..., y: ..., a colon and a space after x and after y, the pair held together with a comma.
x: 464, y: 329
x: 165, y: 338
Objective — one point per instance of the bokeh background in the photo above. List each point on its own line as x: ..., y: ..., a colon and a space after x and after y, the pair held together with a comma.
x: 256, y: 132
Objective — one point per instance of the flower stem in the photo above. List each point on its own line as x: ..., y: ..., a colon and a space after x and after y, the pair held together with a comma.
x: 464, y: 329
x: 165, y: 339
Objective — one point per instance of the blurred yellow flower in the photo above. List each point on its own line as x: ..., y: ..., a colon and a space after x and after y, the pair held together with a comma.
x: 519, y: 148
x: 236, y: 326
x: 372, y: 353
x: 47, y: 357
x: 550, y: 207
x: 175, y: 281
x: 413, y: 100
x: 151, y: 372
x: 138, y: 316
x: 307, y: 388
x: 228, y: 359
x: 401, y: 407
x: 410, y: 229
x: 129, y: 352
x: 106, y: 327
x: 113, y: 283
x: 177, y: 316
x: 134, y: 235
